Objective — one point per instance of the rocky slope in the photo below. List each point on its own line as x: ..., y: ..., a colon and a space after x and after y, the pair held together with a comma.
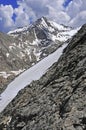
x: 23, y: 47
x: 58, y: 100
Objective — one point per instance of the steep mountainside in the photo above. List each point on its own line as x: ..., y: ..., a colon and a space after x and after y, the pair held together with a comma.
x: 22, y: 48
x: 58, y: 100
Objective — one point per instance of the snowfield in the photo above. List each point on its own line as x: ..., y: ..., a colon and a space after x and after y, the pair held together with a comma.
x: 24, y: 79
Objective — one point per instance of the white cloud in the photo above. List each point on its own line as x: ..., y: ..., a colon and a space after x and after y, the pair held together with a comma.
x: 58, y: 16
x: 77, y: 12
x: 79, y: 19
x: 74, y: 8
x: 6, y: 13
x: 24, y: 13
x: 51, y: 9
x: 21, y: 17
x: 29, y: 10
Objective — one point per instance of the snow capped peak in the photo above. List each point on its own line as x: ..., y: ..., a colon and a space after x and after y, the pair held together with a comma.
x: 41, y: 20
x: 43, y: 23
x: 45, y: 30
x: 48, y: 23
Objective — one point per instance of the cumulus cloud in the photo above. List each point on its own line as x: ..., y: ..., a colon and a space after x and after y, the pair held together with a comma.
x: 74, y: 14
x: 79, y: 19
x: 60, y: 17
x: 6, y: 21
x: 77, y: 12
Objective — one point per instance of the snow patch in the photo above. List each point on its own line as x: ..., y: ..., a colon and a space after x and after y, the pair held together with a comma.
x: 4, y: 74
x: 11, y: 47
x: 51, y: 29
x: 64, y: 36
x: 58, y: 26
x: 17, y: 72
x: 7, y: 54
x: 37, y: 54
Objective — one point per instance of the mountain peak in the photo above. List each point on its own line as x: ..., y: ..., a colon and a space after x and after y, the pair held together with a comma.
x: 43, y: 21
x: 43, y: 18
x: 44, y: 29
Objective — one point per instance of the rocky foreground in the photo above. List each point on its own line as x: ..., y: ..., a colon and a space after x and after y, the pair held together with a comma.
x: 58, y: 100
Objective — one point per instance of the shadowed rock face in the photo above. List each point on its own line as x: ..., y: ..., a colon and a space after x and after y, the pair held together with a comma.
x: 58, y: 100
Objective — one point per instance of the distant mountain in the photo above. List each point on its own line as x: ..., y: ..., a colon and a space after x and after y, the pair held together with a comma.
x: 44, y: 32
x: 24, y: 47
x: 58, y: 100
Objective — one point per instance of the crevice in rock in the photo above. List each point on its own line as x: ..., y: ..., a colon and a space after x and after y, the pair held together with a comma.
x: 63, y: 106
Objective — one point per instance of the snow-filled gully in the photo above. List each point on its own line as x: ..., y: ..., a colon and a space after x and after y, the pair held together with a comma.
x: 24, y: 79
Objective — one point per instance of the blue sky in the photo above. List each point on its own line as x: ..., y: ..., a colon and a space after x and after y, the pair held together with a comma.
x: 67, y: 2
x: 9, y: 2
x: 14, y: 2
x: 16, y: 13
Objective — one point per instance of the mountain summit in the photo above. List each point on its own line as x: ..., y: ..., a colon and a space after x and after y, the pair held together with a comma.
x: 44, y: 30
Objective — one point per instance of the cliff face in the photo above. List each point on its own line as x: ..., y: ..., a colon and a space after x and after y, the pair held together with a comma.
x: 58, y: 100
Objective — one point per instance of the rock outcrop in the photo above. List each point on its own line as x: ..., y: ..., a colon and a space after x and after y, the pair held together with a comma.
x: 58, y: 100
